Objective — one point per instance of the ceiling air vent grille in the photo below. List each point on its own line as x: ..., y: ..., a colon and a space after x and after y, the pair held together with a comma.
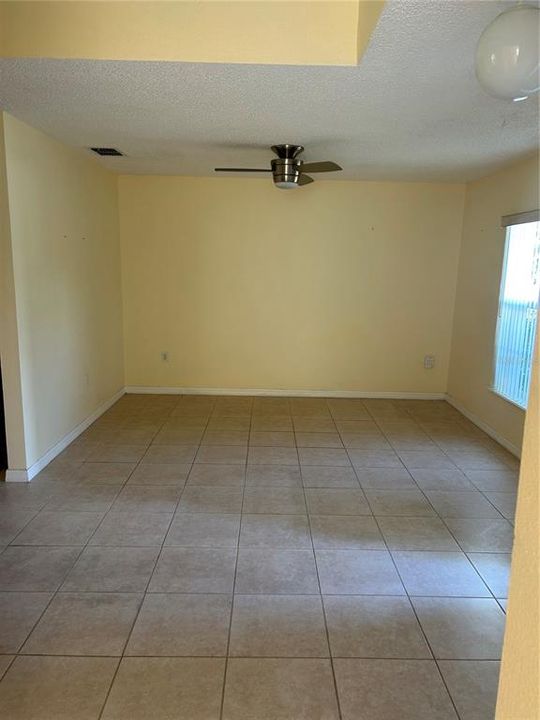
x: 106, y: 151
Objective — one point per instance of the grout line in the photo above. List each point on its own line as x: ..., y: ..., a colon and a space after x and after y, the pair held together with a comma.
x: 227, y: 649
x: 323, y: 608
x: 158, y: 555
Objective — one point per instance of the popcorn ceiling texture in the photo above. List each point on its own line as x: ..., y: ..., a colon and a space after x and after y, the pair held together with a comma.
x: 412, y: 109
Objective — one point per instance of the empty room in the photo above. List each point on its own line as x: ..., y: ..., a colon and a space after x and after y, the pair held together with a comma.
x: 269, y: 427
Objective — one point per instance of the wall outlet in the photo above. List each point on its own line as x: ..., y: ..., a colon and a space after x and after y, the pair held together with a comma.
x: 429, y: 362
x: 164, y: 356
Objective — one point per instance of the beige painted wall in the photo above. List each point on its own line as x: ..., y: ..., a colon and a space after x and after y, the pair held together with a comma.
x: 9, y: 341
x: 519, y: 683
x: 338, y: 286
x: 66, y: 260
x: 512, y: 190
x: 286, y: 32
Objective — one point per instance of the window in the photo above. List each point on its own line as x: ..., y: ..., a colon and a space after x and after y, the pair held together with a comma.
x: 518, y: 308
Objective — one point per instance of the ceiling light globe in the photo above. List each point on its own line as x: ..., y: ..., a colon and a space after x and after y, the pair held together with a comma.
x: 507, y: 62
x: 286, y: 184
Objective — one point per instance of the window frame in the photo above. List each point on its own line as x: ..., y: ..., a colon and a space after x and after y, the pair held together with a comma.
x: 508, y: 221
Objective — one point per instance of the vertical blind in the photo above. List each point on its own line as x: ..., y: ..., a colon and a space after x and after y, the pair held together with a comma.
x: 518, y: 308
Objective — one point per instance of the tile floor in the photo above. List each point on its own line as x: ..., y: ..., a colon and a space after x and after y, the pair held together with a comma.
x: 259, y: 559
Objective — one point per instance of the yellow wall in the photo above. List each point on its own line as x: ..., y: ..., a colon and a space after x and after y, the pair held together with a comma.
x: 519, y: 684
x: 512, y: 190
x: 291, y: 32
x: 337, y: 286
x: 66, y: 259
x: 9, y: 342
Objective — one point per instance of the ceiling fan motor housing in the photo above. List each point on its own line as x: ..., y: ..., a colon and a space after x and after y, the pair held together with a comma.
x: 286, y: 172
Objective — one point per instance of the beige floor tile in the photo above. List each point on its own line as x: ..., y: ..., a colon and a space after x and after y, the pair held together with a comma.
x: 313, y: 424
x: 63, y: 688
x: 12, y: 522
x: 192, y: 625
x: 504, y: 502
x: 357, y: 572
x: 336, y: 501
x: 272, y: 571
x: 217, y: 475
x: 278, y: 626
x: 270, y: 406
x: 462, y: 504
x: 166, y: 688
x: 392, y: 690
x: 450, y: 480
x: 173, y: 474
x: 178, y: 436
x: 416, y: 533
x: 314, y: 476
x: 147, y: 498
x: 494, y: 480
x: 117, y: 453
x: 194, y: 570
x: 333, y: 457
x: 85, y: 498
x: 386, y: 479
x: 374, y: 627
x: 105, y: 473
x: 425, y: 460
x: 271, y: 423
x: 405, y: 503
x: 277, y: 531
x: 361, y: 442
x: 273, y: 476
x: 272, y: 456
x: 318, y: 440
x: 267, y: 438
x: 374, y: 459
x: 59, y: 528
x: 473, y: 686
x: 170, y: 454
x: 19, y: 612
x: 111, y: 569
x: 462, y: 628
x: 274, y: 500
x: 482, y: 535
x: 439, y: 574
x: 84, y: 624
x: 284, y: 689
x: 5, y: 662
x: 229, y: 423
x: 361, y: 426
x: 222, y: 454
x: 211, y: 500
x: 132, y: 529
x: 225, y: 437
x: 35, y: 568
x: 494, y: 569
x: 204, y: 530
x: 353, y: 532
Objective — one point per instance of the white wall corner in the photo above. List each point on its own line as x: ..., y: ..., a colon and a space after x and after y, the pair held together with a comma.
x: 29, y: 473
x: 484, y: 426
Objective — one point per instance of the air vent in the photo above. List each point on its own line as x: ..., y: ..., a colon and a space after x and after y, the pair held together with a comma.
x: 106, y: 151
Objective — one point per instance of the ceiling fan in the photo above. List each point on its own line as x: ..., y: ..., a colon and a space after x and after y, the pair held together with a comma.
x: 288, y: 171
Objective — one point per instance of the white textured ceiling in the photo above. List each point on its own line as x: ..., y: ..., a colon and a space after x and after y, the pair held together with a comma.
x: 412, y: 109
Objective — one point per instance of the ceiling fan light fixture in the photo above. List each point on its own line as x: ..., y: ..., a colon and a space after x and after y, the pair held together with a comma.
x: 286, y: 184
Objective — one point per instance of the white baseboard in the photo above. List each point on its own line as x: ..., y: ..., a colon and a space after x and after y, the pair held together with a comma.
x: 285, y: 392
x: 484, y: 426
x: 33, y: 470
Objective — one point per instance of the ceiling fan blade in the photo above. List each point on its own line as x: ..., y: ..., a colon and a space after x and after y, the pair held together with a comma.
x: 304, y: 179
x: 242, y: 170
x: 325, y: 166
